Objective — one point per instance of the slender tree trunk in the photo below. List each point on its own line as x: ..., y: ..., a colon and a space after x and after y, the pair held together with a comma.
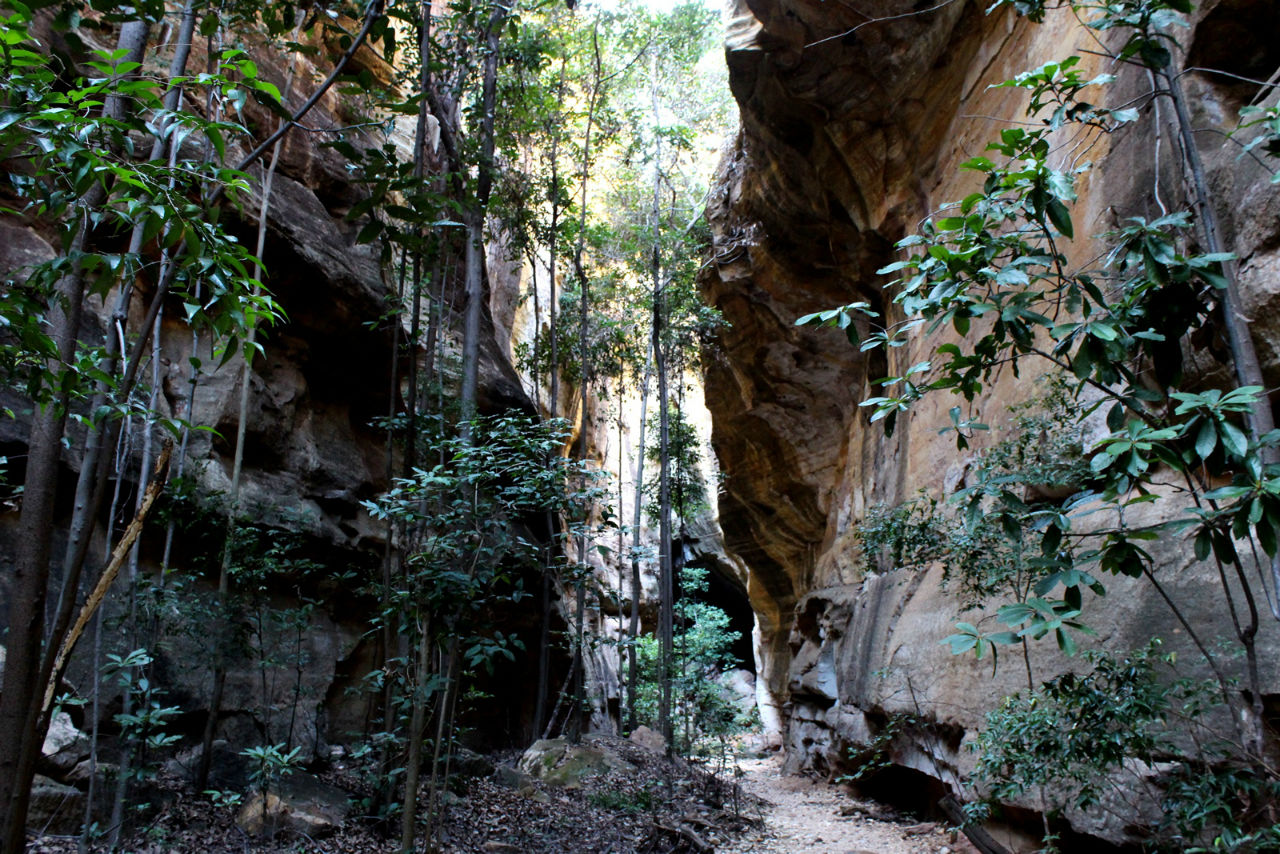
x: 1248, y: 370
x: 666, y: 589
x: 127, y: 741
x: 636, y: 589
x: 444, y: 737
x: 98, y: 434
x: 580, y: 715
x: 417, y: 727
x: 476, y: 292
x: 233, y: 496
x: 475, y: 283
x: 553, y: 405
x: 95, y: 711
x: 413, y: 767
x: 622, y: 544
x: 388, y: 634
x: 419, y: 168
x: 1244, y: 355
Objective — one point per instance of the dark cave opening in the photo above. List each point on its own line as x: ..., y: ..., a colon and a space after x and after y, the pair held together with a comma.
x: 725, y: 593
x: 1236, y: 48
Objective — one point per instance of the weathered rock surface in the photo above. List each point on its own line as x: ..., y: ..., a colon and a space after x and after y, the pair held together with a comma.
x: 313, y: 453
x: 64, y: 745
x: 298, y: 802
x: 852, y: 130
x: 648, y: 739
x: 559, y: 763
x: 55, y: 808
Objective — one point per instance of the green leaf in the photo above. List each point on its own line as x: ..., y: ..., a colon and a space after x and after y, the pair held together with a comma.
x: 1206, y: 439
x: 1267, y: 537
x: 1062, y: 187
x: 1103, y: 331
x: 960, y: 643
x: 1223, y: 548
x: 1051, y: 540
x: 1065, y: 642
x: 1061, y: 218
x: 1233, y: 439
x: 1203, y: 544
x: 1226, y: 493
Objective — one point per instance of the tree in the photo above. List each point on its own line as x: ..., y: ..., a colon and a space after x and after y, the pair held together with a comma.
x: 468, y: 555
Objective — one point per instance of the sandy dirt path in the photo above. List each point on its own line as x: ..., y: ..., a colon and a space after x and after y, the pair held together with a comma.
x: 808, y: 816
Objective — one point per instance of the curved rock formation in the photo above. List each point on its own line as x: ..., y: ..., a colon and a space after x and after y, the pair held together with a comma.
x: 853, y: 124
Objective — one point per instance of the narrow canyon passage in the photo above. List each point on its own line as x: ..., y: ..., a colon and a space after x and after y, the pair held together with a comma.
x: 496, y: 426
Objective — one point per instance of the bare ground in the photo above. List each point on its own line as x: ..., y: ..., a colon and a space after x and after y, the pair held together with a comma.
x: 810, y: 816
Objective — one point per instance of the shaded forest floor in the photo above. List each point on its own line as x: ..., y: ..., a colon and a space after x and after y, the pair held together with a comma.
x: 652, y: 806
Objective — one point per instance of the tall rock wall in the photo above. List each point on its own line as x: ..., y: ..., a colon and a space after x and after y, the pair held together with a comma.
x: 852, y: 131
x: 314, y: 450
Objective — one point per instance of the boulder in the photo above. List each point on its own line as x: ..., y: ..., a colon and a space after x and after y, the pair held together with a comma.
x: 740, y: 685
x: 228, y: 769
x: 64, y: 747
x: 299, y: 802
x: 467, y: 764
x: 558, y: 763
x: 55, y: 808
x: 512, y: 778
x: 648, y: 739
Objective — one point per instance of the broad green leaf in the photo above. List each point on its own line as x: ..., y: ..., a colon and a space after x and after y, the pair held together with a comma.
x: 1206, y: 439
x: 1233, y: 439
x: 1061, y: 218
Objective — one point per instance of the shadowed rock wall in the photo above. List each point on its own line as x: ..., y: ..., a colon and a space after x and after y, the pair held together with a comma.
x: 313, y: 452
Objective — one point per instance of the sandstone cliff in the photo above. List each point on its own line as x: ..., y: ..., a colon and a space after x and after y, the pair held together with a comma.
x: 852, y: 131
x: 314, y: 448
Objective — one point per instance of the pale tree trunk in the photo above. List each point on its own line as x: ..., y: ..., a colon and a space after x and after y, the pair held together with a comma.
x: 666, y: 587
x: 417, y: 727
x: 419, y: 169
x: 475, y: 294
x: 475, y: 268
x: 1248, y: 370
x: 579, y: 717
x: 99, y: 435
x: 622, y: 544
x: 633, y: 687
x: 548, y: 573
x: 413, y: 765
x: 666, y: 591
x: 127, y: 753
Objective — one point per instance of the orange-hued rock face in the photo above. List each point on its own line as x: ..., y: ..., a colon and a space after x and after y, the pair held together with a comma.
x: 849, y: 137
